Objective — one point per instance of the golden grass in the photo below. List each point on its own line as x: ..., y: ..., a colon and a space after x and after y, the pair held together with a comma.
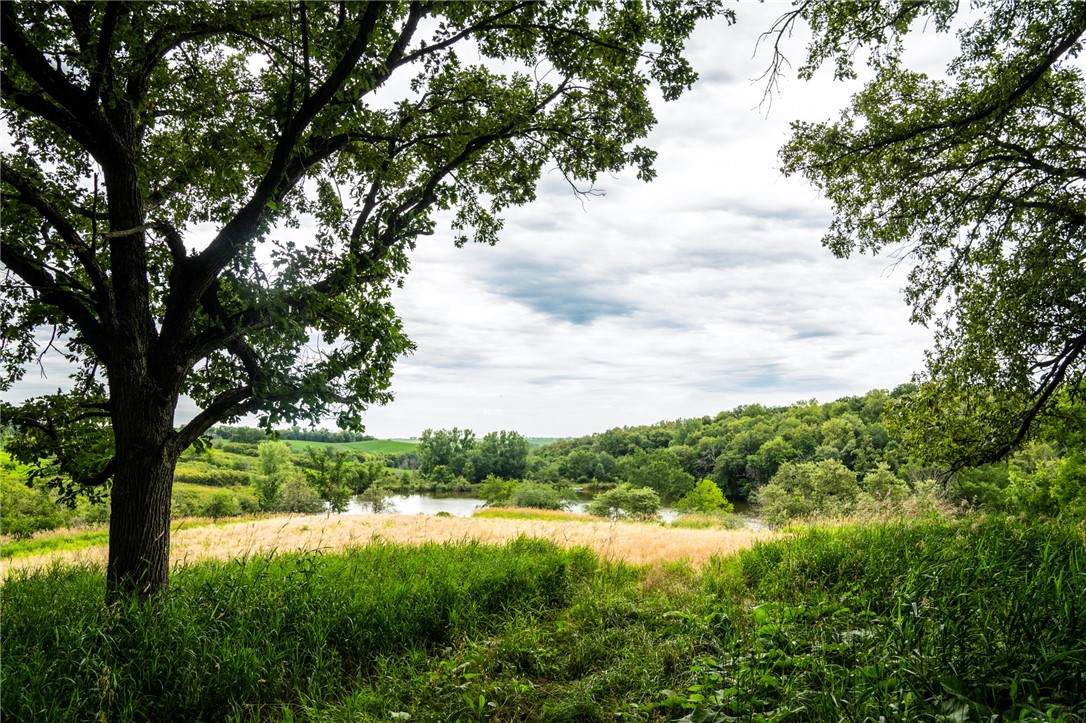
x: 629, y: 542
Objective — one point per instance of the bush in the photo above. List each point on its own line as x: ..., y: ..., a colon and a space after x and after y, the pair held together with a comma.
x: 625, y: 501
x: 25, y: 510
x: 808, y: 489
x: 296, y: 496
x: 495, y: 490
x: 197, y: 501
x: 706, y: 497
x: 222, y: 504
x: 214, y: 477
x: 249, y: 450
x: 90, y: 513
x: 539, y: 496
x: 247, y: 499
x: 375, y: 498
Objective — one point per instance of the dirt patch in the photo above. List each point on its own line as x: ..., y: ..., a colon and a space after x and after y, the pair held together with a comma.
x: 630, y: 542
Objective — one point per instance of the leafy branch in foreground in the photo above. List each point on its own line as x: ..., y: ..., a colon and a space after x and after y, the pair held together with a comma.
x: 215, y: 200
x: 979, y: 182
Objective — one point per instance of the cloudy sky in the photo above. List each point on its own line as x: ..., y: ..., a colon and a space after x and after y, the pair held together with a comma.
x: 702, y: 290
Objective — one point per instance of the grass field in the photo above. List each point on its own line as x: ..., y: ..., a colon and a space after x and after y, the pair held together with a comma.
x: 376, y: 446
x: 979, y: 620
x: 543, y: 441
x: 628, y: 542
x: 49, y: 542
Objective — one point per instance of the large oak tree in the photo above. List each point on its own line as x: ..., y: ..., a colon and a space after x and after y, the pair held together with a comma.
x: 310, y: 144
x: 978, y: 183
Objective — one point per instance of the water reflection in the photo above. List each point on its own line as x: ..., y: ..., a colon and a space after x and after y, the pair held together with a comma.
x: 460, y: 506
x: 425, y: 505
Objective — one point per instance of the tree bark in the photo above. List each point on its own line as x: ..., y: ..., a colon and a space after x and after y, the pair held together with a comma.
x: 139, y: 522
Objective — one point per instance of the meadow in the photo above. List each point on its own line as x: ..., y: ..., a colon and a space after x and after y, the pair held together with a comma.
x: 978, y: 619
x: 195, y: 540
x: 370, y: 446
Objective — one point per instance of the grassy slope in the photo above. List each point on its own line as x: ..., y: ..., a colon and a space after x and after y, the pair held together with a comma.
x: 376, y: 446
x: 927, y: 621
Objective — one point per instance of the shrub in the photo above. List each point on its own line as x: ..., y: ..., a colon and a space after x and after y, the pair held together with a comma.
x: 214, y: 477
x: 90, y: 513
x: 884, y: 486
x: 247, y: 499
x: 539, y: 496
x: 625, y: 501
x: 808, y: 489
x: 25, y: 510
x: 249, y: 450
x: 196, y: 501
x: 222, y: 504
x: 706, y: 497
x: 296, y: 496
x: 375, y: 498
x: 495, y: 490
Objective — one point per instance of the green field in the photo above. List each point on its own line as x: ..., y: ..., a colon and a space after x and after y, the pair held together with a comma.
x: 977, y: 620
x: 376, y: 446
x: 543, y: 441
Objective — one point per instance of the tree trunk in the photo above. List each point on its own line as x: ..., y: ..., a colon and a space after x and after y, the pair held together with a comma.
x: 139, y: 521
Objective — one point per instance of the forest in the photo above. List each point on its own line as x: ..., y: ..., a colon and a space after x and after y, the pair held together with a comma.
x: 801, y: 462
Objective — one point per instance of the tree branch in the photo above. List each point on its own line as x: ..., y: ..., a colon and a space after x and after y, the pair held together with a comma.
x: 103, y: 55
x: 230, y: 403
x: 33, y: 197
x: 1052, y: 381
x: 52, y: 293
x: 42, y: 107
x: 52, y: 81
x: 245, y: 225
x: 1002, y: 101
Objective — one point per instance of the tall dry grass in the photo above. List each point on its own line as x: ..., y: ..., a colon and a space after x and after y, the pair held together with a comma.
x: 629, y: 542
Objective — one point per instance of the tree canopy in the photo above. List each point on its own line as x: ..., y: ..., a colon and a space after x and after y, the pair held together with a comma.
x: 978, y: 183
x: 214, y: 199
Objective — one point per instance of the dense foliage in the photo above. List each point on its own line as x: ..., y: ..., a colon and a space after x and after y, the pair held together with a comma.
x: 162, y: 159
x: 777, y: 456
x: 741, y: 450
x: 976, y: 182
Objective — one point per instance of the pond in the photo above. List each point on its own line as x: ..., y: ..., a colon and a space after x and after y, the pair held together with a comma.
x: 465, y: 506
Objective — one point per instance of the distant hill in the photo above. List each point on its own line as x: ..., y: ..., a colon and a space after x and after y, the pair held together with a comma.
x: 542, y: 441
x: 375, y: 446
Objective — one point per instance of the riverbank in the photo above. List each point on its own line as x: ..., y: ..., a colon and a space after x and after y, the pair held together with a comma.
x: 636, y: 543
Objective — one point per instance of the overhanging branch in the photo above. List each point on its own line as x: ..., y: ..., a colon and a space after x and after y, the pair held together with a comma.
x: 32, y: 196
x: 64, y: 299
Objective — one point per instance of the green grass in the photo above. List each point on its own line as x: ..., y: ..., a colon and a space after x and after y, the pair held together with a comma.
x: 54, y: 543
x: 57, y: 542
x: 689, y: 521
x: 375, y: 446
x: 523, y: 513
x: 932, y: 621
x: 923, y: 621
x: 543, y: 441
